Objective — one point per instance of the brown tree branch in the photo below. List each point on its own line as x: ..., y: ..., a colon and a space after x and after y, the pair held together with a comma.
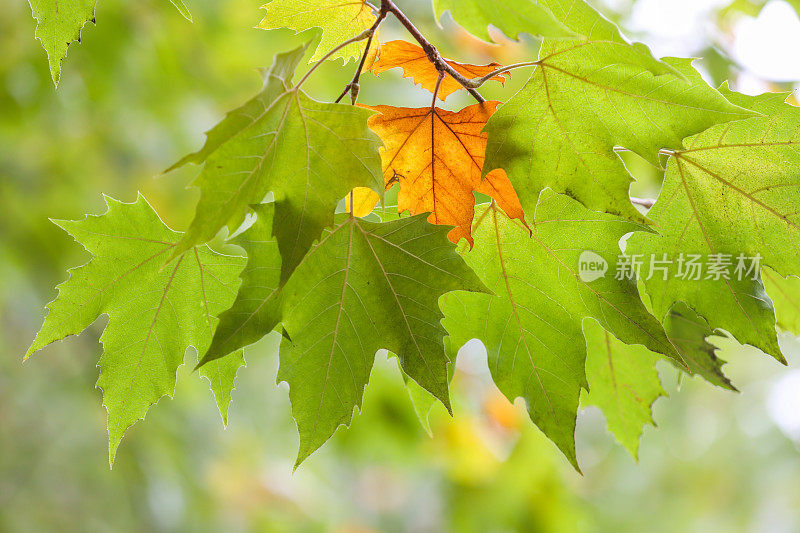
x: 353, y: 87
x: 430, y: 50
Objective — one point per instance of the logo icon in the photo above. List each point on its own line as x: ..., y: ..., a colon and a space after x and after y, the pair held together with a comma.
x: 591, y: 266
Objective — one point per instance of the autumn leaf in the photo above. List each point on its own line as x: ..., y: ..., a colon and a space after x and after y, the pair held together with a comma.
x: 437, y: 157
x: 364, y: 200
x: 495, y: 185
x: 416, y: 65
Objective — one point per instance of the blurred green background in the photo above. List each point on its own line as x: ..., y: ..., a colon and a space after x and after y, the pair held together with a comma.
x: 135, y: 96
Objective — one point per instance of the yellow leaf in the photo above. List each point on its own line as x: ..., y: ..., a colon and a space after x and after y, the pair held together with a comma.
x: 364, y: 200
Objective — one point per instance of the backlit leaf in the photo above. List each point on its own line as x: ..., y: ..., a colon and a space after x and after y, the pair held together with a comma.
x: 416, y: 65
x: 154, y: 314
x: 437, y: 157
x: 58, y: 25
x: 256, y: 310
x: 785, y: 295
x: 307, y: 153
x: 511, y: 17
x: 532, y: 328
x: 221, y: 375
x: 364, y: 201
x: 623, y: 383
x: 689, y: 332
x: 588, y: 97
x: 746, y: 172
x: 366, y: 286
x: 339, y: 21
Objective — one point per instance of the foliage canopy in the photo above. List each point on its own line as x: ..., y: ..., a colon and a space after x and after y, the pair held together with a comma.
x: 501, y: 208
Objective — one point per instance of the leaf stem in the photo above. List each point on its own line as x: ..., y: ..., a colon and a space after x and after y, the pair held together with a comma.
x: 353, y: 87
x: 477, y: 82
x: 360, y: 37
x: 436, y: 91
x: 430, y: 50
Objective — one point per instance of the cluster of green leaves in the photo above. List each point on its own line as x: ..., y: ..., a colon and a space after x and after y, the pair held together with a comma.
x: 341, y: 286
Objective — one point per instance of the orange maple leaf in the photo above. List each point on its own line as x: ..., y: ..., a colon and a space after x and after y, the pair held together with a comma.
x: 437, y: 157
x: 415, y: 65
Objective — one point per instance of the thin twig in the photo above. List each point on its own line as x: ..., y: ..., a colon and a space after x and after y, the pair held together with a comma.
x: 433, y: 54
x: 360, y: 37
x: 353, y: 87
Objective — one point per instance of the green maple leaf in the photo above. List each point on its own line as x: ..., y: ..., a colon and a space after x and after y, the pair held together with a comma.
x: 689, y: 332
x: 154, y: 314
x: 588, y: 97
x: 512, y: 18
x: 59, y: 24
x: 532, y: 328
x: 308, y: 154
x: 182, y: 8
x: 256, y: 310
x: 366, y: 286
x: 421, y: 400
x: 623, y: 383
x: 783, y: 292
x: 731, y: 195
x: 221, y: 374
x: 339, y: 21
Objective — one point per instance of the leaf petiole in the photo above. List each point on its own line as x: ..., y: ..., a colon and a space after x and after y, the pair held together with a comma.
x: 353, y: 86
x: 360, y: 37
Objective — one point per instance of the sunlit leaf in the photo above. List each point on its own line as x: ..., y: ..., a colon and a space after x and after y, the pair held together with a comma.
x: 154, y: 314
x: 437, y: 157
x: 307, y: 153
x: 366, y: 286
x: 532, y: 328
x: 339, y: 21
x: 588, y: 97
x: 744, y: 173
x: 416, y: 65
x: 511, y: 17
